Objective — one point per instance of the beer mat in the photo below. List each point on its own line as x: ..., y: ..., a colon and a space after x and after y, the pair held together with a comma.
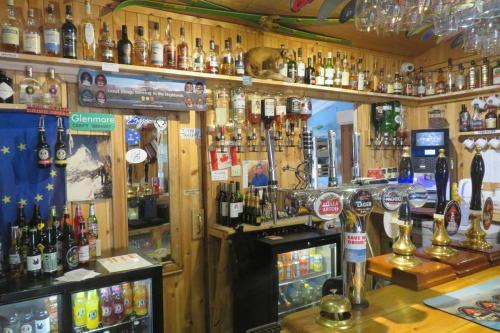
x: 77, y: 275
x: 272, y: 237
x: 123, y: 263
x: 479, y: 303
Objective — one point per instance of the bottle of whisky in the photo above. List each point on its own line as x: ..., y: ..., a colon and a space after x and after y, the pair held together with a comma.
x: 227, y: 66
x: 301, y: 67
x: 212, y: 65
x: 10, y: 30
x: 170, y: 48
x: 106, y: 44
x: 472, y: 77
x: 42, y: 149
x: 198, y: 57
x: 429, y: 88
x: 182, y: 52
x: 60, y: 147
x: 319, y: 71
x: 337, y: 80
x: 346, y: 75
x: 361, y: 76
x: 283, y: 70
x: 408, y: 85
x: 440, y: 84
x: 6, y: 91
x: 29, y: 89
x: 239, y: 57
x: 156, y: 54
x: 52, y: 89
x: 88, y: 34
x: 51, y: 33
x: 490, y: 118
x: 496, y: 73
x: 141, y: 48
x: 124, y: 48
x: 32, y: 41
x: 485, y: 73
x: 329, y: 71
x: 477, y: 123
x: 460, y: 80
x: 450, y: 77
x: 69, y: 35
x: 421, y: 83
x: 292, y: 68
x: 268, y: 110
x: 398, y: 84
x: 309, y: 76
x: 464, y: 119
x: 382, y: 85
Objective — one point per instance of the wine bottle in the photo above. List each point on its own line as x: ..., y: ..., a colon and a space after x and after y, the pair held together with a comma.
x: 476, y: 175
x: 441, y: 176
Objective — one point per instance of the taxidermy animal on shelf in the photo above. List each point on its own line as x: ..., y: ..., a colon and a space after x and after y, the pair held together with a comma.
x: 260, y: 62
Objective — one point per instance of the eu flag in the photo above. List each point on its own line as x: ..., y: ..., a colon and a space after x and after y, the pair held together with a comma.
x: 21, y: 181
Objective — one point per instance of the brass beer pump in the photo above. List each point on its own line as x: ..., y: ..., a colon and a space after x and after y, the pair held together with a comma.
x: 403, y: 248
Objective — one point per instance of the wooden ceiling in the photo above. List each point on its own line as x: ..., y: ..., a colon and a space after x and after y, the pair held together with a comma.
x: 393, y: 43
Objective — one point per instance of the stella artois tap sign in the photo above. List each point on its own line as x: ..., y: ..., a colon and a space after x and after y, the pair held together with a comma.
x: 328, y: 206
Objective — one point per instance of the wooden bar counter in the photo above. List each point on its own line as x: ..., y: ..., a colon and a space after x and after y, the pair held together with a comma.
x: 394, y: 309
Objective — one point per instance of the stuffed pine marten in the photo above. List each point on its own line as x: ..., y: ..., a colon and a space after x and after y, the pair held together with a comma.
x: 261, y: 62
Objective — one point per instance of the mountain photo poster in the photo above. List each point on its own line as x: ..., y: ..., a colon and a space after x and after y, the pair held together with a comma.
x: 88, y: 174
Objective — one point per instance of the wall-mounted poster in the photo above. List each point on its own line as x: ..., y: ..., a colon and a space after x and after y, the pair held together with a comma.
x: 120, y: 91
x: 88, y: 174
x: 255, y: 173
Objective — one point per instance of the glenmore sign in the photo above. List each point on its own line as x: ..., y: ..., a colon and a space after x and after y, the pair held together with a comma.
x: 91, y: 121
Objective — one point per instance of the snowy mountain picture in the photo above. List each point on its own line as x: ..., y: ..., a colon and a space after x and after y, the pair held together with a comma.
x: 88, y: 173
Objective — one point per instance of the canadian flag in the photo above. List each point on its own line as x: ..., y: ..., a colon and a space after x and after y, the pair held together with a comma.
x: 219, y: 161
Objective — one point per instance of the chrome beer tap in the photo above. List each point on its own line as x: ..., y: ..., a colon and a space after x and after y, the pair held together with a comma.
x: 356, y: 171
x: 332, y: 153
x: 273, y: 180
x: 310, y: 158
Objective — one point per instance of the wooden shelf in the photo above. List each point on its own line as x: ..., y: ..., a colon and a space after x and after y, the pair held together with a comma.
x: 457, y: 95
x: 145, y: 230
x: 223, y: 232
x: 479, y: 133
x: 10, y: 107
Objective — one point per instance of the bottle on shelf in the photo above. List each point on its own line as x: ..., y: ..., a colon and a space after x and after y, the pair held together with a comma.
x: 253, y: 117
x: 170, y: 48
x: 227, y: 65
x: 337, y: 72
x: 88, y: 34
x: 309, y: 76
x: 124, y: 48
x: 421, y: 83
x: 280, y: 118
x: 69, y: 35
x: 408, y: 85
x: 485, y: 73
x: 440, y: 83
x: 361, y: 76
x: 346, y: 76
x: 106, y: 307
x: 329, y: 71
x: 44, y: 159
x: 51, y: 33
x: 37, y: 223
x: 33, y: 257
x: 234, y: 204
x: 223, y: 205
x: 415, y: 85
x: 382, y: 85
x: 59, y: 242
x: 140, y: 299
x: 49, y: 259
x: 495, y: 73
x: 10, y: 30
x: 283, y: 65
x: 52, y: 89
x: 398, y: 84
x: 239, y: 57
x: 472, y: 76
x: 490, y: 118
x: 319, y: 71
x: 238, y: 101
x: 182, y: 52
x: 429, y: 88
x: 198, y: 64
x: 301, y: 67
x: 141, y: 48
x: 70, y: 245
x: 477, y: 123
x: 292, y: 68
x: 6, y: 91
x: 15, y: 250
x: 460, y: 79
x: 450, y: 77
x: 77, y: 220
x: 83, y: 244
x: 389, y: 84
x: 30, y: 89
x: 268, y: 106
x: 32, y: 40
x: 405, y: 168
x: 212, y: 65
x: 128, y: 301
x: 375, y: 81
x: 464, y: 119
x: 118, y: 303
x: 93, y: 233
x: 156, y: 57
x: 106, y: 45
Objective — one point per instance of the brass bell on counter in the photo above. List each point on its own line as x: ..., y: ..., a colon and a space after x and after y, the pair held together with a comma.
x: 335, y: 312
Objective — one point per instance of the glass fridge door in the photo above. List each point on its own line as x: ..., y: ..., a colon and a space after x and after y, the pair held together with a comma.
x: 38, y: 315
x: 121, y: 308
x: 301, y: 275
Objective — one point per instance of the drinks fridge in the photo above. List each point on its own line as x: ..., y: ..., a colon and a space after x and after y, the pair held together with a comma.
x: 279, y: 272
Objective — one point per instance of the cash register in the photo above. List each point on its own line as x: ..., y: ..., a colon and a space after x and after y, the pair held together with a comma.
x: 425, y: 145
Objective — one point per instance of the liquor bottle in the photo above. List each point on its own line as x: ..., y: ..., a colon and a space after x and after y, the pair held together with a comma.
x: 268, y: 105
x: 421, y: 83
x: 440, y: 84
x: 389, y: 84
x: 405, y: 168
x: 254, y: 107
x: 408, y: 85
x: 238, y: 101
x: 118, y: 303
x: 460, y: 79
x: 60, y: 147
x: 472, y: 77
x: 212, y: 65
x: 70, y: 246
x: 10, y: 30
x: 91, y: 304
x: 77, y: 220
x: 226, y: 218
x: 496, y: 73
x: 429, y: 88
x: 361, y: 76
x: 283, y: 65
x: 124, y: 48
x: 319, y: 71
x: 490, y: 118
x: 398, y: 84
x: 198, y: 57
x: 52, y: 89
x: 485, y: 73
x: 69, y: 35
x: 51, y: 33
x: 309, y: 76
x: 29, y: 88
x: 227, y: 65
x: 44, y: 159
x: 382, y: 85
x: 477, y: 123
x: 106, y: 44
x: 234, y: 211
x: 83, y: 245
x: 239, y: 57
x: 93, y: 233
x: 156, y: 53
x: 170, y: 48
x: 32, y: 41
x: 441, y: 175
x: 88, y: 34
x: 292, y: 68
x: 375, y: 81
x: 280, y: 111
x: 415, y: 85
x: 15, y: 250
x: 6, y: 91
x: 49, y: 257
x: 450, y: 77
x: 301, y: 67
x: 329, y: 71
x: 337, y: 72
x: 240, y: 200
x: 465, y: 120
x: 345, y: 75
x: 141, y: 48
x: 182, y: 52
x: 33, y: 257
x: 223, y: 204
x: 476, y: 175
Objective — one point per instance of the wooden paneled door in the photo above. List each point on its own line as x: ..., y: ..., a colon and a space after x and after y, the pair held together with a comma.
x: 346, y: 151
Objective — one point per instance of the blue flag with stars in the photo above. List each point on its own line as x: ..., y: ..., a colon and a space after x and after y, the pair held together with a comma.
x: 21, y: 181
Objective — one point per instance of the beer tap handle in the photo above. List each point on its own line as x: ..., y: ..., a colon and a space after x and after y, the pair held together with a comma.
x: 332, y: 153
x: 273, y: 180
x: 356, y: 172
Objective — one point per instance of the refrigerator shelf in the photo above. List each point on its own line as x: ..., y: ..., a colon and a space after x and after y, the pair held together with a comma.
x: 297, y: 308
x: 128, y: 323
x: 308, y: 277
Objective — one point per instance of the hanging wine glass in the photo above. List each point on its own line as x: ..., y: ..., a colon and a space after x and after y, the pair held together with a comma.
x: 472, y: 39
x: 466, y: 13
x: 365, y: 15
x: 488, y: 9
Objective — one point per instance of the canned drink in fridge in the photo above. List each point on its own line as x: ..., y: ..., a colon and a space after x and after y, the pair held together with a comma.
x: 281, y: 271
x: 318, y: 263
x: 295, y: 256
x: 304, y: 265
x: 296, y: 269
x: 288, y: 271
